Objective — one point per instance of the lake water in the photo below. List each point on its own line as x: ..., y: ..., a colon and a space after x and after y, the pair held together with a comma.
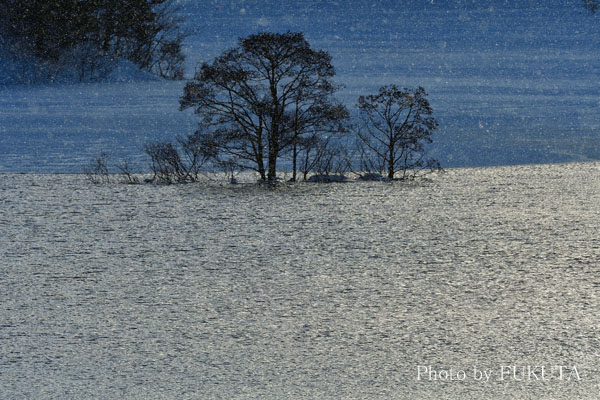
x: 511, y: 81
x: 323, y: 291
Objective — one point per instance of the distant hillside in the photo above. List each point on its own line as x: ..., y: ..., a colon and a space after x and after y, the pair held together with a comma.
x: 48, y: 41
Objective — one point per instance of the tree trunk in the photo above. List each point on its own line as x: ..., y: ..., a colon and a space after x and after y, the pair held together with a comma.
x: 294, y: 157
x: 391, y: 162
x: 259, y: 152
x: 295, y: 148
x: 274, y: 137
x: 273, y: 150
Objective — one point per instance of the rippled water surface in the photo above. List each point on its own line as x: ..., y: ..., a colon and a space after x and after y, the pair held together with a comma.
x: 305, y: 291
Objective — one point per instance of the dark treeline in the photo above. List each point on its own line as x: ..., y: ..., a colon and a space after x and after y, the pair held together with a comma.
x: 89, y: 36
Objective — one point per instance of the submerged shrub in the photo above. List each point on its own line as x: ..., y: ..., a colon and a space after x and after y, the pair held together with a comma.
x: 97, y: 171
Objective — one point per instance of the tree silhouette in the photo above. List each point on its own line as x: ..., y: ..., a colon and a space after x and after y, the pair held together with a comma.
x: 395, y: 125
x: 257, y: 99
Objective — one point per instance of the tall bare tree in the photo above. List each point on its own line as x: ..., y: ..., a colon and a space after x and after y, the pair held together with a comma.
x: 258, y: 98
x: 395, y: 126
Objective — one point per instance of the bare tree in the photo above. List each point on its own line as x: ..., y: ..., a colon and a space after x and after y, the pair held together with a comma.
x: 180, y: 162
x: 229, y: 167
x: 159, y: 48
x: 395, y: 126
x: 370, y: 162
x: 126, y: 173
x: 310, y: 151
x: 333, y: 160
x: 97, y: 171
x: 165, y: 162
x: 258, y: 98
